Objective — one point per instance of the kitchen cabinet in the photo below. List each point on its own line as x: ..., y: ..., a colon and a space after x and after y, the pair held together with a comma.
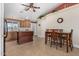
x: 11, y: 36
x: 25, y: 23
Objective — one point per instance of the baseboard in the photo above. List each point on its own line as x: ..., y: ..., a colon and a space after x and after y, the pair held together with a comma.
x: 76, y: 46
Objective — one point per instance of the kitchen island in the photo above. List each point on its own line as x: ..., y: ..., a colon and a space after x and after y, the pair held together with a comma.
x: 24, y: 36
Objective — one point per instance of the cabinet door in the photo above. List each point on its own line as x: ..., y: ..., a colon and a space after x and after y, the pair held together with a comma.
x: 28, y: 24
x: 22, y: 23
x: 25, y: 23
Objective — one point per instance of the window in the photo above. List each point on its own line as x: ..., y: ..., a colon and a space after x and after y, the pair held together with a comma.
x: 13, y: 26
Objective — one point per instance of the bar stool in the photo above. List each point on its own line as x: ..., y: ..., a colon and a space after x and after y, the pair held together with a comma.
x: 67, y: 40
x: 55, y: 37
x: 48, y: 35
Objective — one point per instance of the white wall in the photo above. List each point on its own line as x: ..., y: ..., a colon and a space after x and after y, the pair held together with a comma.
x: 1, y: 28
x: 17, y: 10
x: 33, y: 25
x: 39, y: 28
x: 71, y: 21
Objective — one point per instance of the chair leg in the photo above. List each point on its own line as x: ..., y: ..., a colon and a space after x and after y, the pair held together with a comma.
x: 62, y: 42
x: 67, y: 46
x: 56, y: 44
x: 51, y: 42
x: 71, y: 45
x: 46, y: 40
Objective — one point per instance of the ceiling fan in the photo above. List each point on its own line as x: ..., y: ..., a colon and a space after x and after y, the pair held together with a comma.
x: 30, y: 6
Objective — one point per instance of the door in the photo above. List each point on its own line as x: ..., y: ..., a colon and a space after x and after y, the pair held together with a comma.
x: 39, y: 29
x: 33, y: 25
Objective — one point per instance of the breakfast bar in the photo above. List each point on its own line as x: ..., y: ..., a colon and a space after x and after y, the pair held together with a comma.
x: 24, y: 37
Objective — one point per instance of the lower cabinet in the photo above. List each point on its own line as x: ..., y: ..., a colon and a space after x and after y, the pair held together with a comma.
x: 11, y: 36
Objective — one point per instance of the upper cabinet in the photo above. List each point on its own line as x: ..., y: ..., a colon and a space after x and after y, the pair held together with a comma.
x: 25, y: 23
x: 21, y: 22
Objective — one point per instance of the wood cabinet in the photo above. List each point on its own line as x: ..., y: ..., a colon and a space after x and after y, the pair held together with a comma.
x: 25, y: 23
x: 24, y: 37
x: 11, y: 36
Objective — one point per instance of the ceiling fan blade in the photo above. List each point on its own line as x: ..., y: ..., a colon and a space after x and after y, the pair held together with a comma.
x: 31, y: 4
x: 37, y: 7
x: 26, y: 9
x: 33, y: 10
x: 25, y: 5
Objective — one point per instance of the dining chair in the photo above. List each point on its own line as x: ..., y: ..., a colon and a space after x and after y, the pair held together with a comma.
x: 52, y: 41
x: 67, y: 40
x: 70, y: 40
x: 48, y: 35
x: 55, y: 37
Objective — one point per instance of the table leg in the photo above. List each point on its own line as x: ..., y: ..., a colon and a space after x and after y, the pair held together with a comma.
x: 67, y: 47
x: 67, y: 44
x: 60, y: 41
x: 51, y: 42
x: 46, y: 40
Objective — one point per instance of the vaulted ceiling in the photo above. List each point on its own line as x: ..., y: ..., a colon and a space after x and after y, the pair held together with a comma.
x: 17, y: 10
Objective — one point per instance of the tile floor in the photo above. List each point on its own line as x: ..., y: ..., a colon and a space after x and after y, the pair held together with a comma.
x: 37, y: 48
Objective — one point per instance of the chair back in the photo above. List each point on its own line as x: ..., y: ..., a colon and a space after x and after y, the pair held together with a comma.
x: 49, y: 30
x: 54, y: 33
x: 71, y: 32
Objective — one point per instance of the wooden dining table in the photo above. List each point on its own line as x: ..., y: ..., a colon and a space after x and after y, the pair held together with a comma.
x: 61, y: 34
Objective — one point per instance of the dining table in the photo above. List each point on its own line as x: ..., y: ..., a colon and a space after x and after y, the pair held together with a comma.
x: 64, y: 36
x: 61, y: 35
